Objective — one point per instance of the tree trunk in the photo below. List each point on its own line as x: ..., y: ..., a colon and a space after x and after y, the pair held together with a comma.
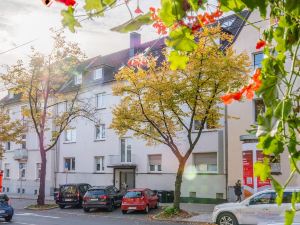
x: 178, y: 183
x: 41, y: 196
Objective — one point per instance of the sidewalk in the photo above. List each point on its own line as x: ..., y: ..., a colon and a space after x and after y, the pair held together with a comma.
x: 28, y: 197
x: 203, y: 211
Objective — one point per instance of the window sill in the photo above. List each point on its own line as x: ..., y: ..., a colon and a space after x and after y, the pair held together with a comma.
x: 208, y: 130
x: 276, y: 173
x: 101, y: 108
x: 103, y: 139
x: 99, y: 172
x: 22, y: 179
x: 70, y: 171
x: 6, y: 178
x: 155, y: 172
x: 69, y: 142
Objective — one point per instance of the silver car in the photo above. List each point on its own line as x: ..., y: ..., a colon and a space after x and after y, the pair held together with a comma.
x: 260, y: 208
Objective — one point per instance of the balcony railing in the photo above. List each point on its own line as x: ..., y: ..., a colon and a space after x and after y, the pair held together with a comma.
x: 21, y: 154
x: 118, y: 160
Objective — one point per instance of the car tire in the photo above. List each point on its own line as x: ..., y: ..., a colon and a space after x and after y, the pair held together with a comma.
x: 86, y: 210
x: 8, y: 218
x: 62, y: 206
x: 227, y: 219
x: 124, y: 211
x: 111, y: 206
x: 146, y: 210
x: 156, y: 205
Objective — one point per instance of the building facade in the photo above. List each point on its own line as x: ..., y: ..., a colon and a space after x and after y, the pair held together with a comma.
x: 95, y: 154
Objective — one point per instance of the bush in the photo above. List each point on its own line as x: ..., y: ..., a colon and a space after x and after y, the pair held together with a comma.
x: 170, y: 211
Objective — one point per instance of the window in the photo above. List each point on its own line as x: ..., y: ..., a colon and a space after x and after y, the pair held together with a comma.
x: 69, y: 164
x: 259, y: 107
x: 78, y: 79
x: 99, y: 163
x: 98, y: 74
x: 23, y: 142
x: 6, y: 170
x: 22, y: 170
x: 70, y: 135
x: 100, y: 100
x: 206, y: 162
x: 197, y: 125
x: 100, y: 132
x: 154, y: 163
x: 38, y: 171
x: 265, y: 198
x: 257, y: 59
x: 275, y: 164
x: 210, y: 124
x: 125, y: 150
x: 8, y: 146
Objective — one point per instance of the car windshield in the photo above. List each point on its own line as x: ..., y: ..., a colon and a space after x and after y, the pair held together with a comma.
x: 98, y: 192
x: 133, y: 194
x: 68, y: 189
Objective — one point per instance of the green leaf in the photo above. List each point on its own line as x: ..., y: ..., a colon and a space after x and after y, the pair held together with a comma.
x: 177, y: 61
x: 279, y: 190
x: 69, y: 19
x: 181, y: 39
x: 293, y: 7
x: 171, y: 11
x: 260, y: 4
x: 262, y: 170
x: 109, y: 2
x: 232, y: 5
x: 284, y: 108
x: 270, y: 145
x: 195, y: 4
x: 91, y: 5
x: 133, y: 24
x: 289, y: 217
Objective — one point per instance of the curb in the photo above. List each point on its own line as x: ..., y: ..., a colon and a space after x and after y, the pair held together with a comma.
x: 29, y: 198
x: 179, y: 220
x: 37, y: 209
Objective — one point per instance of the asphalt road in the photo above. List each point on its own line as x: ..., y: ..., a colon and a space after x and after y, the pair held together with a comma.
x: 74, y: 216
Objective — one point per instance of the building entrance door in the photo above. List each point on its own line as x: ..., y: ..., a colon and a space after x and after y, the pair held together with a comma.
x: 124, y: 179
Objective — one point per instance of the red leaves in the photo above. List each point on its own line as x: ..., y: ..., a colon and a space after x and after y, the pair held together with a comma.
x: 158, y: 24
x: 248, y: 90
x: 67, y: 2
x: 260, y: 44
x: 138, y: 61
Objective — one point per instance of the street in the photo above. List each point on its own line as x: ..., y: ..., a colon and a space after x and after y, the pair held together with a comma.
x: 74, y: 216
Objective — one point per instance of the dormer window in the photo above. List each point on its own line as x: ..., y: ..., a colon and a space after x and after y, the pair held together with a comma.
x: 78, y: 79
x: 98, y: 73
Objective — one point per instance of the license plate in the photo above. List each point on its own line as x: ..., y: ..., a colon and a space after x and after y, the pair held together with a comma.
x: 94, y: 199
x: 131, y: 207
x: 68, y: 200
x: 2, y: 211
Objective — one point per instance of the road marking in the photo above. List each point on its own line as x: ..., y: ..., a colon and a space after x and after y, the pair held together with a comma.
x: 36, y: 215
x: 24, y: 223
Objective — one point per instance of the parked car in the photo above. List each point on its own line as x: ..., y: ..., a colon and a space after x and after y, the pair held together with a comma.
x: 71, y: 194
x: 260, y: 208
x: 107, y: 197
x: 140, y: 200
x: 6, y: 210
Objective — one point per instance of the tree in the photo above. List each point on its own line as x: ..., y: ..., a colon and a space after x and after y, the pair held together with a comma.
x: 161, y: 106
x: 45, y: 83
x: 10, y: 131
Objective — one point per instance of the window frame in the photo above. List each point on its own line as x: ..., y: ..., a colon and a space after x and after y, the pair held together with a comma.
x: 102, y: 105
x: 197, y: 167
x: 6, y: 168
x: 102, y: 168
x: 156, y: 166
x: 96, y: 75
x: 254, y: 54
x: 38, y: 167
x: 72, y: 164
x: 102, y: 132
x: 127, y: 152
x: 24, y: 167
x: 73, y: 137
x: 76, y: 80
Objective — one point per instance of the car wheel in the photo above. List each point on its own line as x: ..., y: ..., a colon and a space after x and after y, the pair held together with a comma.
x: 156, y: 205
x: 227, y: 219
x: 8, y: 218
x: 62, y: 206
x: 146, y: 209
x: 124, y: 211
x: 110, y: 207
x: 86, y: 210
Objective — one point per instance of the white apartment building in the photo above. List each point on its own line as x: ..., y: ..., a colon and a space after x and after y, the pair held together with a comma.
x: 95, y: 154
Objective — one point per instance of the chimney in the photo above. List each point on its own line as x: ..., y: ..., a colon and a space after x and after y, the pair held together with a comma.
x: 135, y: 42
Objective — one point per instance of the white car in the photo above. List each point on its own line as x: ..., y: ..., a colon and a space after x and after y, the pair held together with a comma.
x: 260, y: 208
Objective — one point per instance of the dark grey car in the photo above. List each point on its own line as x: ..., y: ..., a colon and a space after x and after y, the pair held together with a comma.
x: 106, y: 197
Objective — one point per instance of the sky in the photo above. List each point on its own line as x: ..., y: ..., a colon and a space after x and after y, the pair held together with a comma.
x: 22, y: 21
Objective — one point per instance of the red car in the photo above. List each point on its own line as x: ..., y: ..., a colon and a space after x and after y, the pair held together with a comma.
x: 141, y: 199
